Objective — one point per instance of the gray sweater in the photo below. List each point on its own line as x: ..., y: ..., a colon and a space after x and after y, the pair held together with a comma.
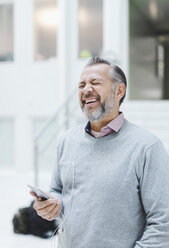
x: 114, y: 189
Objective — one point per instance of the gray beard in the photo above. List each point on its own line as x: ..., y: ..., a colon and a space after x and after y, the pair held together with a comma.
x: 103, y: 110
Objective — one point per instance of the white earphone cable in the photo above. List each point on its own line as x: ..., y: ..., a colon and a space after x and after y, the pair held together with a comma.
x: 64, y: 218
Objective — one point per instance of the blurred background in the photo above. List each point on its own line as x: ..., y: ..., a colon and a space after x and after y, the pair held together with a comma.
x: 44, y: 45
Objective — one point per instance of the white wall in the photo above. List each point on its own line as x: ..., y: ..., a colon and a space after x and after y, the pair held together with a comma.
x: 31, y: 89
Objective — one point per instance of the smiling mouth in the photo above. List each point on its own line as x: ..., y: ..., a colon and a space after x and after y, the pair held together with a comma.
x: 90, y: 101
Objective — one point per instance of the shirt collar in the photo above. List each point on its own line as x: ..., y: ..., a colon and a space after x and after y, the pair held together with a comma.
x: 88, y: 127
x: 114, y: 125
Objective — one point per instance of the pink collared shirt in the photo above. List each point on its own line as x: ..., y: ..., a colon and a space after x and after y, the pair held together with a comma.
x: 112, y: 126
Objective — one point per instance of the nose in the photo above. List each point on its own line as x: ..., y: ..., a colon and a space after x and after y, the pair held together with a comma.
x: 88, y: 88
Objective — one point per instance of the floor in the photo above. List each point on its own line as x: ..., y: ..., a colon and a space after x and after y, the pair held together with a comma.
x: 15, y: 194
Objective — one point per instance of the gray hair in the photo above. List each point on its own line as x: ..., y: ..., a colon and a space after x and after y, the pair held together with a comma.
x: 116, y: 74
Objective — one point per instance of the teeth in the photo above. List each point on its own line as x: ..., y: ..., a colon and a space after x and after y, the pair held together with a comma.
x: 87, y: 101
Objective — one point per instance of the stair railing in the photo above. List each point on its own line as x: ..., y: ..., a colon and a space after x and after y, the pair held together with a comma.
x: 46, y: 126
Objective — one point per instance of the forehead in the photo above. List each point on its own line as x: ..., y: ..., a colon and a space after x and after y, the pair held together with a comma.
x: 95, y: 71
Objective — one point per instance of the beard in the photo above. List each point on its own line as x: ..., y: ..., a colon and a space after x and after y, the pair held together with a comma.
x: 103, y: 110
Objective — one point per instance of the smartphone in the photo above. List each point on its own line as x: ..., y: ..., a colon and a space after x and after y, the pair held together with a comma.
x: 39, y: 193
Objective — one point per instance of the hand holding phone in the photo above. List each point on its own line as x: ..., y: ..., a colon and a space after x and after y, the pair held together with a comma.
x: 48, y: 210
x: 39, y: 193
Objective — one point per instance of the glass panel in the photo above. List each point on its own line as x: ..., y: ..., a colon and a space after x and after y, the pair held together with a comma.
x: 46, y: 152
x: 45, y: 29
x: 46, y: 155
x: 90, y: 18
x: 6, y: 32
x: 6, y: 142
x: 149, y: 49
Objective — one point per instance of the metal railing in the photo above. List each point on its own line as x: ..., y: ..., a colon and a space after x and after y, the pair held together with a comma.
x: 61, y: 120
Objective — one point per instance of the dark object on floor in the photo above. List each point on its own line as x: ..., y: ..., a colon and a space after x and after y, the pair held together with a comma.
x: 26, y: 221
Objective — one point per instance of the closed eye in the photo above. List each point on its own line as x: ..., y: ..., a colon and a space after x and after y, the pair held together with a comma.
x: 81, y: 86
x: 95, y: 83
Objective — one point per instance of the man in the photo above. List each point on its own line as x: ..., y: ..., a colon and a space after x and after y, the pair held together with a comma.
x: 111, y: 178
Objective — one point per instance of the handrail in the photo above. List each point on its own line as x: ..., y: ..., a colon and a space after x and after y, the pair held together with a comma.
x: 50, y: 141
x: 49, y: 122
x: 41, y: 132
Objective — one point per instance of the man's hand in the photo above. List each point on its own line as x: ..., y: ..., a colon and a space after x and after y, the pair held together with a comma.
x: 48, y: 209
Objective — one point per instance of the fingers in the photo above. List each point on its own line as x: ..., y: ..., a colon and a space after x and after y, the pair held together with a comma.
x: 48, y: 209
x: 32, y: 193
x: 38, y: 204
x: 53, y: 213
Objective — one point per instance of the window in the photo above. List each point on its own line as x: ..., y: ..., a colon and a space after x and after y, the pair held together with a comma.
x: 149, y: 50
x: 6, y: 142
x: 90, y: 19
x: 6, y: 32
x: 45, y: 29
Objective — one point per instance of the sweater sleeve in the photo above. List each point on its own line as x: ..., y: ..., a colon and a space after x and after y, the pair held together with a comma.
x: 154, y: 189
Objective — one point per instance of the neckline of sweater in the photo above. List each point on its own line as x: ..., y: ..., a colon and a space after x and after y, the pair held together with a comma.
x: 113, y: 135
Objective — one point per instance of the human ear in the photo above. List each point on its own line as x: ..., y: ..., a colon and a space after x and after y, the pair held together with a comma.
x: 120, y: 91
